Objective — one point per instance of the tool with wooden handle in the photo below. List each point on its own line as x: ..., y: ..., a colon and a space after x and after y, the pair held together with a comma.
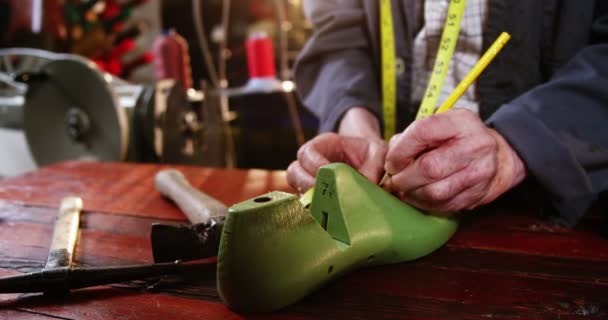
x: 63, y: 243
x: 65, y: 233
x: 196, y: 205
x: 59, y: 275
x: 187, y: 242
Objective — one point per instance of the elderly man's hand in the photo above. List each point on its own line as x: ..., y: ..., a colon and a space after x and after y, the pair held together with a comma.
x: 366, y: 155
x: 357, y: 143
x: 451, y: 161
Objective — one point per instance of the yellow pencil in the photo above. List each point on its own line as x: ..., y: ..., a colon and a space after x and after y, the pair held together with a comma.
x: 481, y: 65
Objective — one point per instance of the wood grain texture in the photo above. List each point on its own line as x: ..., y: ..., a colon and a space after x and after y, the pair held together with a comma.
x: 504, y: 262
x: 127, y: 189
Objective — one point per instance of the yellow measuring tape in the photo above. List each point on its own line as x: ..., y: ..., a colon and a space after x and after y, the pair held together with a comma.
x: 449, y: 37
x: 389, y: 74
x: 447, y: 45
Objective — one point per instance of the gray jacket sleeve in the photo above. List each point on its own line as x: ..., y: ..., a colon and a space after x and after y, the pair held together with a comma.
x: 335, y: 71
x: 560, y: 130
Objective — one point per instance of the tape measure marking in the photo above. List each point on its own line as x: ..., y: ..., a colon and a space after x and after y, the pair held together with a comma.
x: 389, y: 85
x: 449, y: 38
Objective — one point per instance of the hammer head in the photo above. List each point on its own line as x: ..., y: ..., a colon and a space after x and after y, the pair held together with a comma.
x: 185, y: 242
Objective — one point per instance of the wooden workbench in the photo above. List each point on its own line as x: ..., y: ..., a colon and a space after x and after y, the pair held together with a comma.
x: 503, y: 262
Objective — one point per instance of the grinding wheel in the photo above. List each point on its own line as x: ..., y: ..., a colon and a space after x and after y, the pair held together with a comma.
x: 72, y: 113
x: 143, y: 123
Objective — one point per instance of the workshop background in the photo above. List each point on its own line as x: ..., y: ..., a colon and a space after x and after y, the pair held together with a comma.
x: 200, y: 82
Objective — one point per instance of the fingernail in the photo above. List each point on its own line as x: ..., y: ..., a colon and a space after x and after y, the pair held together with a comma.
x: 389, y: 168
x: 385, y: 179
x: 393, y: 139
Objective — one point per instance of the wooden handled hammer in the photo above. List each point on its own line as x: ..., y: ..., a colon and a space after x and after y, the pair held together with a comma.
x: 187, y: 242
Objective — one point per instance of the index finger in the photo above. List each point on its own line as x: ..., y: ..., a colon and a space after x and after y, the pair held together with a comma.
x: 421, y: 135
x: 318, y: 152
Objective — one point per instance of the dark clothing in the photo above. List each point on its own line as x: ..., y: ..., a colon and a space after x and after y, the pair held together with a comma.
x: 550, y: 83
x: 560, y: 130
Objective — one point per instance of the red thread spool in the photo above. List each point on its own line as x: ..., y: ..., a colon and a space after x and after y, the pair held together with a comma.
x: 172, y: 59
x: 260, y: 56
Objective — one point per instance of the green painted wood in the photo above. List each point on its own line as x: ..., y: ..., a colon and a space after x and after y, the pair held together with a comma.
x: 274, y: 251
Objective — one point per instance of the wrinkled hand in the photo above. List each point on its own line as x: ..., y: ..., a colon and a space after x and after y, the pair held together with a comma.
x: 451, y: 161
x: 357, y: 143
x: 366, y: 155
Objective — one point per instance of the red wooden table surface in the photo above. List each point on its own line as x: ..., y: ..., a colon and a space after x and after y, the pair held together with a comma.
x: 503, y: 262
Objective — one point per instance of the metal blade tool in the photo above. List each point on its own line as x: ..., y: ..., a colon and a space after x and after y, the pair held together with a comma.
x: 59, y: 275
